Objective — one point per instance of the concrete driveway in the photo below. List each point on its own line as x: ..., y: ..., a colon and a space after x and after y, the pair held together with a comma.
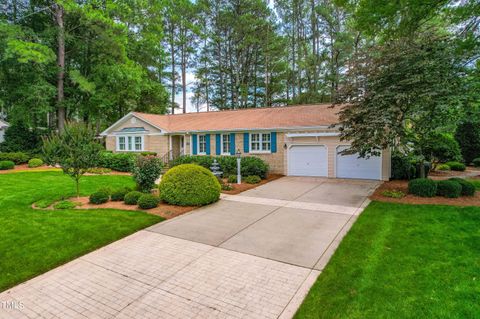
x: 253, y: 255
x: 292, y: 220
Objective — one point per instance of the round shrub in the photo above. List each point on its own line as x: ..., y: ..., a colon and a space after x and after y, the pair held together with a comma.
x: 253, y: 179
x: 468, y: 189
x: 423, y: 187
x: 443, y: 167
x: 119, y: 195
x: 132, y: 198
x: 148, y: 201
x: 449, y: 189
x: 99, y: 197
x: 476, y: 162
x: 4, y: 165
x: 35, y: 162
x: 232, y: 178
x: 456, y: 166
x: 189, y: 185
x: 253, y: 166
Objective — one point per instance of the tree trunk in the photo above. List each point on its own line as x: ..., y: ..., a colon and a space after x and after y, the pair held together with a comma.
x: 172, y: 52
x: 59, y: 13
x: 184, y: 80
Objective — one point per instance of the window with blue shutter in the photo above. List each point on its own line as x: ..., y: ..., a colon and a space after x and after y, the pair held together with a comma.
x: 194, y: 144
x: 207, y: 142
x: 273, y: 137
x: 246, y: 142
x: 218, y: 144
x: 232, y: 143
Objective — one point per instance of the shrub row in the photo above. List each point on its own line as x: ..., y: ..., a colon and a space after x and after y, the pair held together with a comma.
x: 250, y: 165
x: 122, y: 162
x: 17, y: 157
x: 451, y: 188
x: 144, y: 201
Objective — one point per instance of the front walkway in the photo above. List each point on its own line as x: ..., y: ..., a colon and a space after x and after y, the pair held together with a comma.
x: 249, y: 256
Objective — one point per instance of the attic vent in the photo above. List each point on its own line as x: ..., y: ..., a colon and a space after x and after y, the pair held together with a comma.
x: 133, y: 130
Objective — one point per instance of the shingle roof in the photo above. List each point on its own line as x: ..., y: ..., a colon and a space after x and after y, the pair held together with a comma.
x: 259, y: 118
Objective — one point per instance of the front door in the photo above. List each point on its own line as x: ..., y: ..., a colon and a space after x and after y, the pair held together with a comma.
x: 182, y: 145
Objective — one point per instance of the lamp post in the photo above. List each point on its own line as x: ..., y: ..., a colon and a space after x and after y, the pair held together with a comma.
x: 239, y: 174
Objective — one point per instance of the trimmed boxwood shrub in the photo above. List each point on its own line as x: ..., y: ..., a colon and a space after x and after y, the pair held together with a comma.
x: 476, y: 162
x: 253, y: 179
x: 254, y: 166
x: 449, y: 189
x: 122, y: 162
x: 189, y: 185
x: 468, y: 189
x: 443, y: 167
x: 16, y: 157
x: 4, y: 165
x: 119, y: 194
x: 456, y: 166
x: 35, y: 162
x: 423, y: 187
x: 132, y: 198
x: 99, y: 197
x: 147, y: 201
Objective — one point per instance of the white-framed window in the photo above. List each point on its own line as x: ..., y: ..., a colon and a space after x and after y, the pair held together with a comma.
x: 260, y: 142
x: 130, y: 143
x: 202, y: 144
x: 225, y: 143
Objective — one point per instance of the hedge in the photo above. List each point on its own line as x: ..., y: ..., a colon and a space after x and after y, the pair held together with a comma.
x: 468, y: 189
x: 456, y: 166
x: 449, y: 189
x: 122, y: 162
x: 250, y: 165
x: 189, y: 185
x: 423, y: 187
x: 16, y: 157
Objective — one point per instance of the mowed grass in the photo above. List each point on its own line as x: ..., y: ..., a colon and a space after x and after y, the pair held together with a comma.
x: 403, y: 261
x: 35, y: 241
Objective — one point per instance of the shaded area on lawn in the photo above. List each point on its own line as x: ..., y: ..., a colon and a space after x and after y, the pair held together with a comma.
x: 403, y: 261
x: 35, y: 241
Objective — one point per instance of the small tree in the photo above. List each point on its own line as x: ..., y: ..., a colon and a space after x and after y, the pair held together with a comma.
x: 468, y: 137
x: 147, y: 169
x: 75, y: 150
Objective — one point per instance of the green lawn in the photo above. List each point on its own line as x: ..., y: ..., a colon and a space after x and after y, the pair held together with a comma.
x: 403, y: 261
x: 34, y: 241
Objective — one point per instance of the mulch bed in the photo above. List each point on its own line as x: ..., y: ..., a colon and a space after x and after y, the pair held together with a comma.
x: 164, y: 210
x: 25, y: 168
x: 411, y: 199
x: 237, y: 189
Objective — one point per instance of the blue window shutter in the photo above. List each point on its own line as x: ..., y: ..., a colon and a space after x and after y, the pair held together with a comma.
x: 218, y: 144
x: 207, y: 142
x: 232, y: 143
x: 273, y: 142
x: 194, y: 142
x: 246, y: 142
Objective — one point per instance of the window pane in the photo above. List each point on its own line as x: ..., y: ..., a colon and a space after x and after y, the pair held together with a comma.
x: 138, y: 143
x: 266, y: 137
x: 130, y: 146
x: 255, y: 146
x: 225, y: 143
x: 265, y: 146
x: 121, y: 143
x: 255, y: 137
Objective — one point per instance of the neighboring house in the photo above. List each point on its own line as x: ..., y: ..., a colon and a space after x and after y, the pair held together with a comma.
x: 3, y: 128
x: 293, y: 140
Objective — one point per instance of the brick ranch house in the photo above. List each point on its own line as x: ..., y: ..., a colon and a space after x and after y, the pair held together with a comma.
x: 293, y: 140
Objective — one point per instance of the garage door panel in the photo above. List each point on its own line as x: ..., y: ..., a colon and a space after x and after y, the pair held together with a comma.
x: 308, y: 160
x: 351, y: 166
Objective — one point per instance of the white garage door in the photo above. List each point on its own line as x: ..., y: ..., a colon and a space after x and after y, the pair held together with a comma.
x: 307, y: 160
x: 351, y: 166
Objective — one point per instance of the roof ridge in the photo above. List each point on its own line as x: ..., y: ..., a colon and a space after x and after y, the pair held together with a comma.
x: 244, y: 109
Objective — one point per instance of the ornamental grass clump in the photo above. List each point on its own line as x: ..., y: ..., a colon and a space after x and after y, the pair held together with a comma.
x: 189, y: 185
